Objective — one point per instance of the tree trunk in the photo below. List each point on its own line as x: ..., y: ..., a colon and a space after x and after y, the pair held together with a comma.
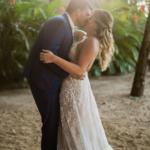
x: 141, y: 68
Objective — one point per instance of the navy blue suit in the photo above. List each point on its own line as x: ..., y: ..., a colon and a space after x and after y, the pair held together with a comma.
x: 45, y: 79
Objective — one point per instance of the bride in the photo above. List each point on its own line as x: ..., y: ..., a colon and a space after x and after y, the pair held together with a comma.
x: 80, y: 124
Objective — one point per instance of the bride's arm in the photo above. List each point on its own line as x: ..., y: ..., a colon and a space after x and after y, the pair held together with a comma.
x: 79, y: 34
x: 88, y: 52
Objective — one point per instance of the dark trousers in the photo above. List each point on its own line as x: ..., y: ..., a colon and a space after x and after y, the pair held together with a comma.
x: 48, y: 106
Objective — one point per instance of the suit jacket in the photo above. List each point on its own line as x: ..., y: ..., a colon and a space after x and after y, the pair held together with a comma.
x: 55, y: 35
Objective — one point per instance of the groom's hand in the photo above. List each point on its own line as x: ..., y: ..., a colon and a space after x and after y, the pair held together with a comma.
x: 81, y: 77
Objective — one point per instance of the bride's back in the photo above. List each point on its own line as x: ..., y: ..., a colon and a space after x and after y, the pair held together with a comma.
x: 78, y: 50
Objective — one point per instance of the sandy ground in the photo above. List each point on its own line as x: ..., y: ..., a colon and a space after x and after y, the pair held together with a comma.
x: 126, y: 122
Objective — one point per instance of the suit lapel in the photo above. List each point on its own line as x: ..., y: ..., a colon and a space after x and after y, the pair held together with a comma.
x: 65, y: 15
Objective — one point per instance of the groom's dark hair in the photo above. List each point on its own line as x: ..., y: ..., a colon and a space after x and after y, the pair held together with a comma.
x: 78, y: 4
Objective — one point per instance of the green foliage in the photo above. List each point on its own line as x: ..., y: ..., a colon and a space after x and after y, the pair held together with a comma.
x: 19, y: 26
x: 134, y: 2
x: 128, y: 36
x: 21, y: 22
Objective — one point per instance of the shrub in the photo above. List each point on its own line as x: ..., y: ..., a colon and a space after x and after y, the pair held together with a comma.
x: 128, y: 30
x: 20, y: 22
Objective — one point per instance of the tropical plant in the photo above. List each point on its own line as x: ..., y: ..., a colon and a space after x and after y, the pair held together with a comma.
x: 20, y: 22
x: 128, y: 30
x: 134, y: 2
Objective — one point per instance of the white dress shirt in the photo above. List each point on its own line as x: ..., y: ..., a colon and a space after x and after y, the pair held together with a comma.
x: 71, y: 23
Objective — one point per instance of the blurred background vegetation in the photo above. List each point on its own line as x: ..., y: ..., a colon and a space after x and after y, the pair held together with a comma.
x: 21, y: 20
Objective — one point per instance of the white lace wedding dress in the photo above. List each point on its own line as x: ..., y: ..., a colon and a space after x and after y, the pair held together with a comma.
x: 80, y: 125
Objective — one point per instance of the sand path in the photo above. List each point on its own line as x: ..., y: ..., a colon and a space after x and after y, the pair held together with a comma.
x: 126, y: 122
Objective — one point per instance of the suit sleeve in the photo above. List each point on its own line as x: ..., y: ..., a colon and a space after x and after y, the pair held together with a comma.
x: 53, y: 35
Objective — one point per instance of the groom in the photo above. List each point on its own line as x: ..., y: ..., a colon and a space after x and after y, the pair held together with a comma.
x: 45, y: 79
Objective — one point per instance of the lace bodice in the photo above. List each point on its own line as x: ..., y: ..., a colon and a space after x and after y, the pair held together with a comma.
x: 71, y: 55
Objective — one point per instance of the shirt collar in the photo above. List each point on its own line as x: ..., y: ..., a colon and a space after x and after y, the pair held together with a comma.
x: 71, y: 22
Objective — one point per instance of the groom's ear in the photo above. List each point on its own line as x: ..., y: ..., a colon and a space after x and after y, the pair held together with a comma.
x: 78, y: 12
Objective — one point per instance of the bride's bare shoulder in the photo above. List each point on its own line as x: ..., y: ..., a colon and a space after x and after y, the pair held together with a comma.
x: 91, y: 42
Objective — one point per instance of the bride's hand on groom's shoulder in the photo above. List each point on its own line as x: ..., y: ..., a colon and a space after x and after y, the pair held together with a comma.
x: 81, y: 77
x: 46, y: 56
x: 79, y: 35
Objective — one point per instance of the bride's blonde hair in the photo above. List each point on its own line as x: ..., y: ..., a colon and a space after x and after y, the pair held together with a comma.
x: 103, y: 33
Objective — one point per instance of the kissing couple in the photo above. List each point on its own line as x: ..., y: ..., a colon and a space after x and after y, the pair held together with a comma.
x: 58, y: 74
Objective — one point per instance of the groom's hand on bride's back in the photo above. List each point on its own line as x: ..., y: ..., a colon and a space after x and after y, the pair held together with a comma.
x: 81, y: 77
